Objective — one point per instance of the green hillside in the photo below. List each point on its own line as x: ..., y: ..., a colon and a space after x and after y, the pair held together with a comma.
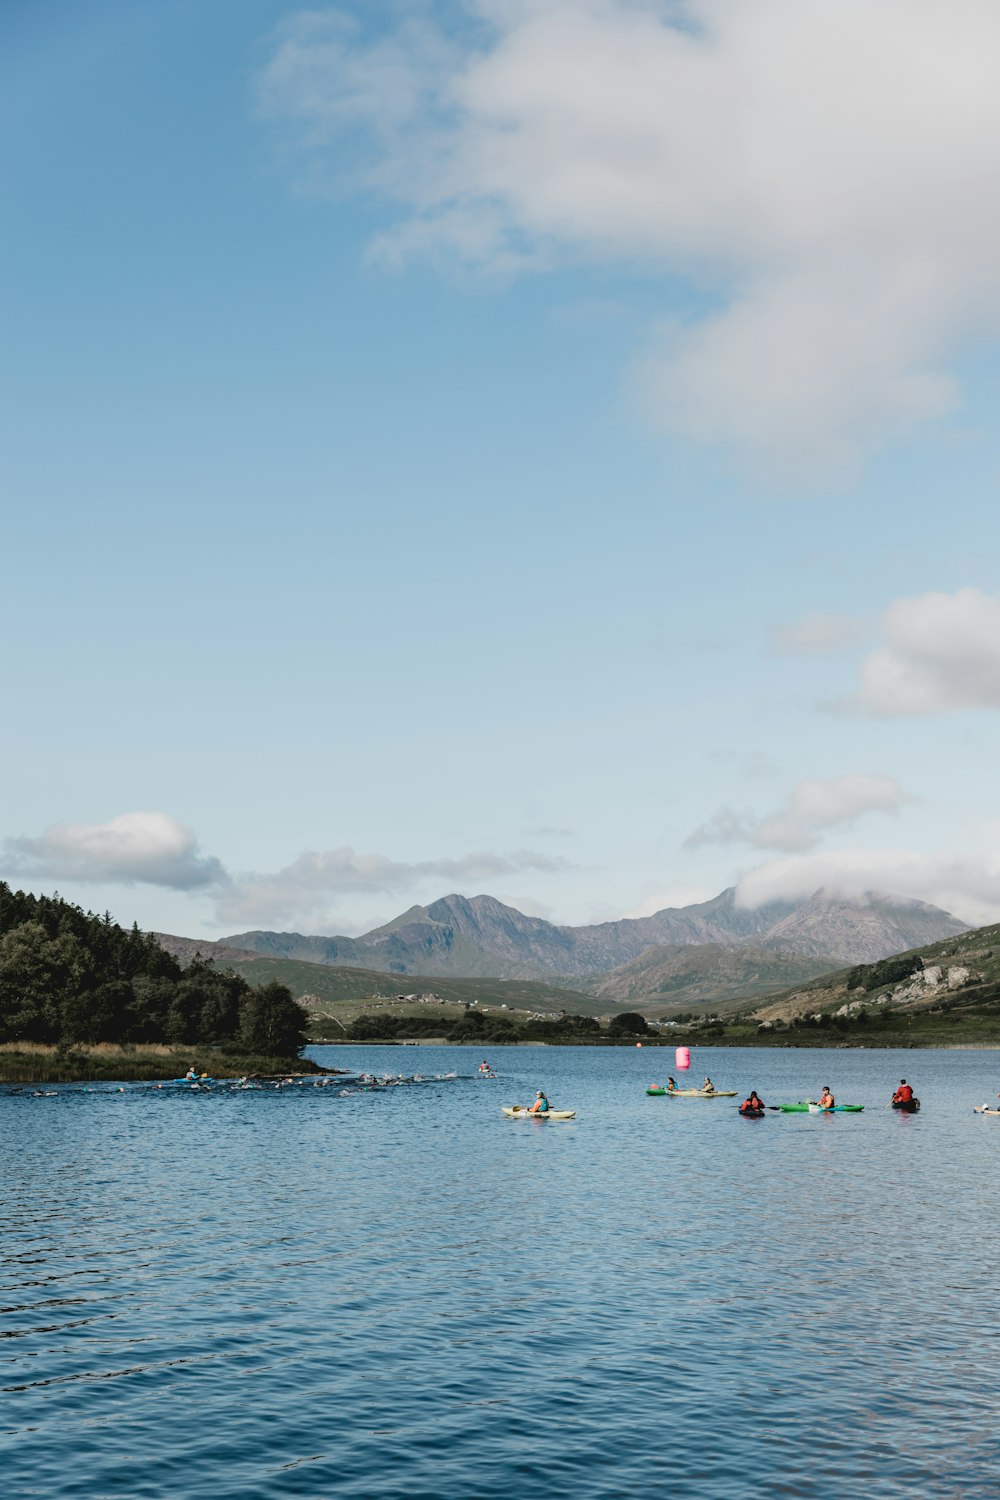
x: 667, y: 979
x: 344, y: 993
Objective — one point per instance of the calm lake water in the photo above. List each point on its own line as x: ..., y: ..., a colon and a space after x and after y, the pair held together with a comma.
x: 404, y: 1294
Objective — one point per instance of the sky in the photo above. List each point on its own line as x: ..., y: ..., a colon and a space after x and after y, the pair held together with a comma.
x: 536, y: 447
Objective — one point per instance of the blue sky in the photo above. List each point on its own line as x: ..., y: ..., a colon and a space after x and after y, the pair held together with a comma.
x: 534, y: 449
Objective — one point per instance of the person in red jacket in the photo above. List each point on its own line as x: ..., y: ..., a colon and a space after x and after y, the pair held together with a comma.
x: 752, y: 1106
x: 903, y: 1094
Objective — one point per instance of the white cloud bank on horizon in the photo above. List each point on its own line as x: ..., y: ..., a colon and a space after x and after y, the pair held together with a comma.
x: 145, y: 847
x: 939, y: 652
x: 815, y: 171
x: 814, y: 806
x: 968, y: 886
x: 152, y: 848
x: 301, y: 891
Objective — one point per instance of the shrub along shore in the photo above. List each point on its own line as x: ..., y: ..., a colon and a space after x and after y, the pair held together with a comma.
x: 105, y: 1063
x: 972, y: 1027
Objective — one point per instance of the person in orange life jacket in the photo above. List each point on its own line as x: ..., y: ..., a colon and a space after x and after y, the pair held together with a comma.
x: 672, y: 1087
x: 754, y: 1103
x: 826, y: 1099
x: 541, y: 1104
x: 903, y: 1094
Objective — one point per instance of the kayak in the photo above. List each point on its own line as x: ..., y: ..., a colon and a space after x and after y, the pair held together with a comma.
x: 752, y: 1114
x: 908, y: 1106
x: 983, y: 1109
x: 516, y: 1112
x: 192, y: 1081
x: 806, y: 1107
x: 692, y: 1093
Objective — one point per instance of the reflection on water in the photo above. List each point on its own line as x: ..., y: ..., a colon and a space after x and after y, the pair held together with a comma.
x: 401, y: 1293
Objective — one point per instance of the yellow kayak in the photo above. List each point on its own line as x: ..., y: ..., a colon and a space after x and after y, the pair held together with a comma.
x: 517, y: 1112
x: 692, y: 1093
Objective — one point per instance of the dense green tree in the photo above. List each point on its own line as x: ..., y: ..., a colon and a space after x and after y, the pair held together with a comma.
x: 368, y: 1028
x: 271, y: 1022
x: 629, y: 1023
x: 69, y: 976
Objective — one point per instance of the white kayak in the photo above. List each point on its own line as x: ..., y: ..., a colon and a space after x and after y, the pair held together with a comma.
x: 517, y: 1112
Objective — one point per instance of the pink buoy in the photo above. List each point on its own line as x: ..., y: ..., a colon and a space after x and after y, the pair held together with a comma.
x: 638, y: 1044
x: 682, y: 1058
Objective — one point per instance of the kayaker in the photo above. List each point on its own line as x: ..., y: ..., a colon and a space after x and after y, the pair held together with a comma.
x: 826, y: 1099
x: 672, y: 1086
x: 708, y: 1087
x: 541, y: 1104
x: 484, y: 1067
x: 752, y: 1105
x: 191, y: 1075
x: 904, y: 1094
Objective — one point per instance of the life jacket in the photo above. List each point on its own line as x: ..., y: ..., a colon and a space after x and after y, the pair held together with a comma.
x: 903, y: 1094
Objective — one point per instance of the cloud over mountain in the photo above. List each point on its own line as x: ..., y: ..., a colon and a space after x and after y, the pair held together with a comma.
x: 815, y: 171
x: 813, y: 806
x: 966, y: 884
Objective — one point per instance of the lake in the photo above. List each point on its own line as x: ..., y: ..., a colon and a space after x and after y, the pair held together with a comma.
x: 402, y: 1293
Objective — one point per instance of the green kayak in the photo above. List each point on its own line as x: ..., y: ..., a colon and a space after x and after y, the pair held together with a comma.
x: 806, y: 1107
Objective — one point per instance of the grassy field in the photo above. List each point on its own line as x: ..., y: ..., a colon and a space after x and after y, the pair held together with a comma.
x: 346, y: 993
x: 27, y: 1062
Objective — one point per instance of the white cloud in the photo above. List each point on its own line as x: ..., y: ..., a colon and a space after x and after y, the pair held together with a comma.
x: 814, y: 806
x: 147, y: 847
x: 940, y: 652
x: 302, y: 891
x: 815, y: 170
x: 815, y: 634
x: 966, y: 885
x: 152, y: 848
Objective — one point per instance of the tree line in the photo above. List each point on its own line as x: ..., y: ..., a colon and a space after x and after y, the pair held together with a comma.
x: 479, y: 1026
x: 68, y: 976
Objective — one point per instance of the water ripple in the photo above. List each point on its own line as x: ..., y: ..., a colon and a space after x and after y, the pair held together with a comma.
x: 314, y: 1293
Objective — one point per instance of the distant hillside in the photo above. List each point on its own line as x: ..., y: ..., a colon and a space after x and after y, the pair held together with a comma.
x: 339, y: 986
x: 481, y: 937
x: 957, y: 973
x: 668, y: 979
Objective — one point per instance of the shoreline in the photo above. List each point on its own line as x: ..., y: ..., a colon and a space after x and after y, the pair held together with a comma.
x: 33, y: 1062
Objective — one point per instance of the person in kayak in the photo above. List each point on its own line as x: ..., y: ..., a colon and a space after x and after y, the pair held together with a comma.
x: 672, y: 1086
x: 541, y: 1104
x: 191, y: 1075
x: 826, y: 1099
x: 753, y: 1105
x: 708, y: 1087
x: 904, y: 1094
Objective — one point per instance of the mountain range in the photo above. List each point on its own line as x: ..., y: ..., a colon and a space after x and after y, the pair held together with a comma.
x: 724, y: 948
